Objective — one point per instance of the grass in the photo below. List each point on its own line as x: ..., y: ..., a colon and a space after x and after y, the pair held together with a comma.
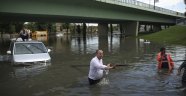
x: 173, y: 35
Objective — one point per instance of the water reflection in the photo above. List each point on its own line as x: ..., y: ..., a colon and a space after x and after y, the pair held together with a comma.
x: 25, y: 72
x: 40, y: 38
x: 66, y: 77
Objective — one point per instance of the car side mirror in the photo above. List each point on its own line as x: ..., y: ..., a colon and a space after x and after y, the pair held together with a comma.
x: 49, y: 50
x: 8, y: 52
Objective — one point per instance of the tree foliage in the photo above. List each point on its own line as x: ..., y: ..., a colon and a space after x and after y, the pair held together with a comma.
x: 10, y: 27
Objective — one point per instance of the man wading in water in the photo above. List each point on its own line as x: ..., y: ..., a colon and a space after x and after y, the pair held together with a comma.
x: 97, y: 68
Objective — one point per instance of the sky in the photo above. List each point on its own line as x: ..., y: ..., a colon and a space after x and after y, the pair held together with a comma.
x: 175, y: 5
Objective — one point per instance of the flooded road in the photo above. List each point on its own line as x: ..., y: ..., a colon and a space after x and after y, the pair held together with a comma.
x: 67, y: 73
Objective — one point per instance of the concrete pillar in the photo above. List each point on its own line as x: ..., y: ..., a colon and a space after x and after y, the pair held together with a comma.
x: 103, y: 36
x: 103, y: 29
x: 84, y: 30
x: 121, y: 28
x: 131, y: 28
x: 111, y: 29
x: 151, y: 28
x: 78, y: 29
x: 145, y: 28
x: 156, y: 28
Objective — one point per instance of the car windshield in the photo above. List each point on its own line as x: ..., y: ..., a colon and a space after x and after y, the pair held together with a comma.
x: 29, y: 48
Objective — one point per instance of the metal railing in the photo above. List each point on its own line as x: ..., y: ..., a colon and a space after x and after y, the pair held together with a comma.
x: 181, y: 21
x: 143, y: 6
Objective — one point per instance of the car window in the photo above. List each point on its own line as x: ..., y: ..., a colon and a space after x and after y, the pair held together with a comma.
x: 11, y: 47
x: 29, y: 48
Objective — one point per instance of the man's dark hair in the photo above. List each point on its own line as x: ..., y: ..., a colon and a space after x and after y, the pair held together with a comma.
x: 162, y: 49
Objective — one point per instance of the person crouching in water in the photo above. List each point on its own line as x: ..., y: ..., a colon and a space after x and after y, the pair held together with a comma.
x: 24, y: 34
x: 164, y: 60
x: 97, y: 68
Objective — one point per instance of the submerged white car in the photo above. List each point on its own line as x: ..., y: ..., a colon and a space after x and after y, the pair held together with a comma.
x: 28, y: 51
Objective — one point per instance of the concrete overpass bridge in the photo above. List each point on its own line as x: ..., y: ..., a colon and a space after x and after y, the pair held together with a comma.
x: 128, y: 13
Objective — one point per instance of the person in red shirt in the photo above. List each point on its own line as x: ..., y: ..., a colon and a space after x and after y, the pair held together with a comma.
x: 164, y: 60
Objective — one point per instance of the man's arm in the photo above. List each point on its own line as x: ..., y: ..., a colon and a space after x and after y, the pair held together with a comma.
x: 109, y: 67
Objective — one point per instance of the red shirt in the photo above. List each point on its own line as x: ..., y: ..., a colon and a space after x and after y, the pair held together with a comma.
x: 160, y: 59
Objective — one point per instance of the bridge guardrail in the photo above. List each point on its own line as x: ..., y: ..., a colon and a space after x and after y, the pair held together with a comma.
x: 181, y: 21
x: 141, y: 5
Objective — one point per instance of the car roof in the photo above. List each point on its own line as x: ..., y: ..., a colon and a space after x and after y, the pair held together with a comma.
x: 27, y: 42
x: 21, y: 41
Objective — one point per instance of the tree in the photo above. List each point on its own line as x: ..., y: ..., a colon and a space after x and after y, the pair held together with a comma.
x: 41, y: 26
x: 18, y: 26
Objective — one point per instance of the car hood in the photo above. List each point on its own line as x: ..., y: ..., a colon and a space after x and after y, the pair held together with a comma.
x: 31, y: 57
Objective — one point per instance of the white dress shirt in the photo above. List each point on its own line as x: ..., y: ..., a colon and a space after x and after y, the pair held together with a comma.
x: 96, y: 68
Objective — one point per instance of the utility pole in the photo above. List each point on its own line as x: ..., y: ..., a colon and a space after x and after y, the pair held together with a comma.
x: 154, y: 4
x: 185, y: 1
x: 155, y: 1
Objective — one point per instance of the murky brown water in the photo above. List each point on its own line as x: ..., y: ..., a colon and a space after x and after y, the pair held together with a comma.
x: 67, y: 73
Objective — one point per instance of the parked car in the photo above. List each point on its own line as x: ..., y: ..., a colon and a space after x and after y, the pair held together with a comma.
x: 24, y: 52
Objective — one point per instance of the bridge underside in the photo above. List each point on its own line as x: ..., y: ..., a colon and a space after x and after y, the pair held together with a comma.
x: 80, y: 11
x: 129, y: 27
x: 8, y: 17
x: 76, y: 11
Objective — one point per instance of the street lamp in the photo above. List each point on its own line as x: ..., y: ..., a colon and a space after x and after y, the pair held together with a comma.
x: 155, y: 1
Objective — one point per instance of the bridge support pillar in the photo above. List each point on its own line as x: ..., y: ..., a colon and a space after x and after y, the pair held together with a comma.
x: 111, y: 29
x: 156, y: 28
x: 103, y: 36
x: 84, y: 30
x: 103, y: 29
x: 131, y: 28
x: 121, y: 27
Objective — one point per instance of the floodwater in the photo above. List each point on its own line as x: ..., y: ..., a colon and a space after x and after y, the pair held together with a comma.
x: 67, y: 73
